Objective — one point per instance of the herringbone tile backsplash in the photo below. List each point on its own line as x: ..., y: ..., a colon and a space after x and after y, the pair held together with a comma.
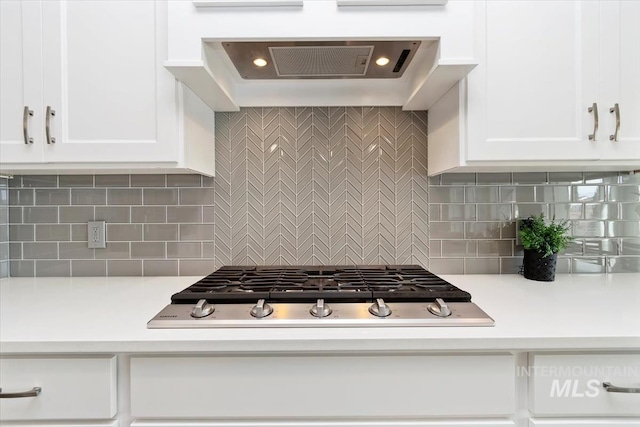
x: 321, y: 186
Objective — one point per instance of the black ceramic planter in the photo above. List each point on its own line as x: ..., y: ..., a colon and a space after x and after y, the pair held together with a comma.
x: 539, y: 267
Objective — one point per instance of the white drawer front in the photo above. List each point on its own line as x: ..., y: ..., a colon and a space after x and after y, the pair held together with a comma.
x: 585, y: 423
x: 322, y: 386
x: 312, y: 423
x: 72, y: 388
x: 565, y: 385
x: 73, y: 424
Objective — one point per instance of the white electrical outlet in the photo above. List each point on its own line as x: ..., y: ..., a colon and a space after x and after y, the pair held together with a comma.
x: 96, y: 234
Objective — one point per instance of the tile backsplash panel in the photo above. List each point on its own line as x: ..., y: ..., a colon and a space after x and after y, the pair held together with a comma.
x: 313, y: 186
x: 292, y: 186
x: 473, y: 229
x: 4, y: 227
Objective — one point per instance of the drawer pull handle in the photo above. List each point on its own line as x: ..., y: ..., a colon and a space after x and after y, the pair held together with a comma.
x: 613, y: 389
x: 47, y: 125
x: 594, y: 109
x: 615, y: 109
x: 31, y: 393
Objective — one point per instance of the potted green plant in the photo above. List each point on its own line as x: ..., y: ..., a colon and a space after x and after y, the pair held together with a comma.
x: 542, y: 241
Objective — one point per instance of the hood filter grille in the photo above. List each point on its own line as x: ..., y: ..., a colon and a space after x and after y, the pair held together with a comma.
x: 329, y: 59
x: 321, y: 61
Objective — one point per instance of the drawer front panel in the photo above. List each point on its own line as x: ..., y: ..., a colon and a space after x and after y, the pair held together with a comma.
x: 571, y: 385
x: 72, y: 388
x: 322, y: 386
x: 311, y: 423
x: 627, y: 422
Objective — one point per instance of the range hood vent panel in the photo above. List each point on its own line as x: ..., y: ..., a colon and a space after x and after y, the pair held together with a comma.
x: 321, y: 61
x: 352, y: 59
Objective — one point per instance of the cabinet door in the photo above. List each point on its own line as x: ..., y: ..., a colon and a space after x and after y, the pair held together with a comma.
x: 620, y: 67
x: 529, y: 97
x: 20, y: 81
x: 104, y: 78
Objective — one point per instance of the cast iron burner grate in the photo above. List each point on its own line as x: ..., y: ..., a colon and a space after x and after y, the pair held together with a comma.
x: 239, y: 284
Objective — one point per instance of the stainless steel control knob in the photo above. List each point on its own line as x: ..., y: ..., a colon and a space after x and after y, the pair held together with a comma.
x: 439, y: 308
x: 320, y: 309
x: 379, y: 308
x: 261, y: 309
x: 202, y: 309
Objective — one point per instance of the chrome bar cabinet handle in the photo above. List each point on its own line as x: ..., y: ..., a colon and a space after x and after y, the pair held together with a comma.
x: 594, y: 109
x: 615, y: 109
x: 614, y: 389
x: 34, y: 392
x: 47, y: 125
x: 25, y: 124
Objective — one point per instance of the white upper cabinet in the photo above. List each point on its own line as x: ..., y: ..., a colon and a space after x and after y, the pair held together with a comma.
x: 548, y: 75
x: 103, y: 76
x: 620, y: 82
x: 92, y: 73
x: 538, y: 73
x: 21, y: 135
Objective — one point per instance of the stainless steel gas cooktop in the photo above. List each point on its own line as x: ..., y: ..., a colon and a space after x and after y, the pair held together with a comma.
x: 320, y: 296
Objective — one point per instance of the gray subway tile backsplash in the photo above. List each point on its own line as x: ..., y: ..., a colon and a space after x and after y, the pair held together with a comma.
x: 623, y: 229
x: 482, y: 194
x: 148, y: 180
x: 76, y: 250
x: 517, y: 194
x: 113, y: 214
x: 624, y: 193
x: 124, y: 196
x: 86, y: 268
x: 53, y: 232
x: 162, y: 268
x: 75, y: 214
x: 458, y: 212
x: 553, y: 193
x: 51, y: 196
x: 75, y: 181
x: 160, y: 232
x: 148, y: 214
x: 40, y: 250
x: 314, y: 200
x: 588, y: 193
x: 160, y: 196
x: 36, y: 215
x: 87, y: 196
x: 112, y: 180
x: 53, y: 268
x: 117, y: 267
x: 39, y: 181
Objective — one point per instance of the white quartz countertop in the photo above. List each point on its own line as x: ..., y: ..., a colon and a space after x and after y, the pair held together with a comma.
x: 97, y: 315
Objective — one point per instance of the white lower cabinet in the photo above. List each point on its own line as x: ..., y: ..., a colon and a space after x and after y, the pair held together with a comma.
x: 74, y: 424
x: 327, y: 387
x: 484, y: 423
x: 70, y: 388
x: 584, y: 423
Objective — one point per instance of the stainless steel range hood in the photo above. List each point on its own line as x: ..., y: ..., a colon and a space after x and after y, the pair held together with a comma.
x: 322, y: 59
